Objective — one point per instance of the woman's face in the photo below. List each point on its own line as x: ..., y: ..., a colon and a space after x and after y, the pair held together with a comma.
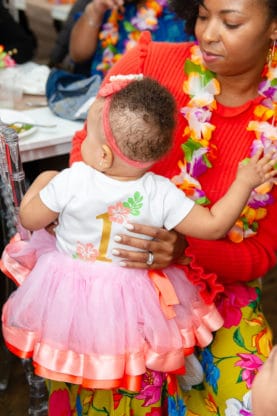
x: 234, y: 35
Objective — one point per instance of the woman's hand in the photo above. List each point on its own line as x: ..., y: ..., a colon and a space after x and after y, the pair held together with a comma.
x: 167, y: 247
x: 99, y: 7
x: 84, y: 34
x: 51, y: 227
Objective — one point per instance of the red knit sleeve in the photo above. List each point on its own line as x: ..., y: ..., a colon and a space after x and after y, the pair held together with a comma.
x: 78, y: 138
x: 244, y: 261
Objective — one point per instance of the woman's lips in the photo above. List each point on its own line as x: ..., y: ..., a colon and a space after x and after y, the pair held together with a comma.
x: 209, y: 56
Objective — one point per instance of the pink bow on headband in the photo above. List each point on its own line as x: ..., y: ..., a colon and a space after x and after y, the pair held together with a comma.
x: 117, y: 83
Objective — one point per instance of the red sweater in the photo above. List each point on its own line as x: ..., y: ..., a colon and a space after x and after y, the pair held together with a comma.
x: 232, y: 262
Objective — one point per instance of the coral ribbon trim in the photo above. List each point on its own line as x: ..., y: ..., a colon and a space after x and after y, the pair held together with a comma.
x: 132, y: 383
x: 165, y: 291
x: 17, y: 268
x: 90, y: 370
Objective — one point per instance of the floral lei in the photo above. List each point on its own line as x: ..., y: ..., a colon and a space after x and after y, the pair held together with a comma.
x: 6, y: 59
x: 199, y: 151
x: 146, y: 19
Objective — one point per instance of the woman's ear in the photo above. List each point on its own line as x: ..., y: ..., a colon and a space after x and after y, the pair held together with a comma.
x: 106, y: 157
x: 274, y: 30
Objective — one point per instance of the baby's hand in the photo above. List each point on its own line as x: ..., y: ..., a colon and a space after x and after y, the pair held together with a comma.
x: 258, y: 169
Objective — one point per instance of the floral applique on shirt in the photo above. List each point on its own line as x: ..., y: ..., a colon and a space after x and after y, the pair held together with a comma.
x: 86, y: 252
x: 118, y: 213
x: 121, y: 210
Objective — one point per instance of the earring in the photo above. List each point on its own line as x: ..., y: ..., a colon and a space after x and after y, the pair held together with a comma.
x: 272, y: 55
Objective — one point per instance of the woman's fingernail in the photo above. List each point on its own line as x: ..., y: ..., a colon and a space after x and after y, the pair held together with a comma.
x: 122, y: 264
x: 129, y: 226
x: 115, y: 252
x: 117, y: 238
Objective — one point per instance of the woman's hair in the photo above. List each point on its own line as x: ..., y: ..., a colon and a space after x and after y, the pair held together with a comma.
x: 188, y: 11
x: 142, y: 118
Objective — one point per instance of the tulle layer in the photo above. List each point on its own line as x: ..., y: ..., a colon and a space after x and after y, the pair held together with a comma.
x: 99, y: 325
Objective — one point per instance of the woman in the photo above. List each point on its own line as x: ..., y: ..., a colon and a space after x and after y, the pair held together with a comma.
x: 235, y: 39
x: 107, y: 28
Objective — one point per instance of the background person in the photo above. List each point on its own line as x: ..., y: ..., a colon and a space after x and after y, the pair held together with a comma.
x: 59, y: 56
x: 107, y: 28
x: 235, y: 39
x: 16, y: 36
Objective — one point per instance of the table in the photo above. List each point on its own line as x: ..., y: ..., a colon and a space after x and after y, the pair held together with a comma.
x: 47, y: 142
x: 43, y: 142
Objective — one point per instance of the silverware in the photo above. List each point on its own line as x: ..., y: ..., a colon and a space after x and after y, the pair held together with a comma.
x: 36, y: 104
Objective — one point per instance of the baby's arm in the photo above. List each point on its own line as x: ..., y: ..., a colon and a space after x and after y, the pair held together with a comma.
x: 214, y: 223
x: 33, y: 213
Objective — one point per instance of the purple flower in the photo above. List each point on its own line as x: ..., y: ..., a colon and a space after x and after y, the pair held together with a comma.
x: 162, y: 3
x: 260, y: 200
x: 230, y: 302
x: 151, y: 387
x: 250, y: 365
x: 198, y: 167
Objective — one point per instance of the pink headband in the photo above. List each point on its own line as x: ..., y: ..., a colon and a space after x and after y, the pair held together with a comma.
x: 117, y: 83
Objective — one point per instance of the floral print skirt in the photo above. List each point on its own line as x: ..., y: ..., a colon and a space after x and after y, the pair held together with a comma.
x: 230, y: 364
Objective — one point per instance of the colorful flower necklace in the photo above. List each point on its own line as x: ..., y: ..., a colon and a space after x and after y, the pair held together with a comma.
x: 199, y: 151
x: 6, y: 59
x: 146, y: 18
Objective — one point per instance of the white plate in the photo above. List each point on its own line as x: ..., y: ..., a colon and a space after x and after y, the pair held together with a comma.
x: 10, y: 116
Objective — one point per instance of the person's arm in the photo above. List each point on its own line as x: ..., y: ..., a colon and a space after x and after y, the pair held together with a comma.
x: 33, y: 214
x: 248, y: 260
x: 264, y: 388
x: 215, y: 222
x: 257, y: 253
x: 84, y: 35
x: 61, y: 46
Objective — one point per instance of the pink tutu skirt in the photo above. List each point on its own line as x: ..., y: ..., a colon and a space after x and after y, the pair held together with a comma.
x: 101, y: 325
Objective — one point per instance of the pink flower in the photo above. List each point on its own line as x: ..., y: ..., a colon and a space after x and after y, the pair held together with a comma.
x: 86, y: 251
x: 232, y: 300
x: 118, y: 213
x: 59, y: 403
x: 151, y: 388
x: 251, y: 364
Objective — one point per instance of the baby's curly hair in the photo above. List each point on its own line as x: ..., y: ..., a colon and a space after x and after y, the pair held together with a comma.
x: 142, y: 118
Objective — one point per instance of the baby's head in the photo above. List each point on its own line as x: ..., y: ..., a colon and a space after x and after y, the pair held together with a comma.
x: 138, y: 119
x: 142, y: 119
